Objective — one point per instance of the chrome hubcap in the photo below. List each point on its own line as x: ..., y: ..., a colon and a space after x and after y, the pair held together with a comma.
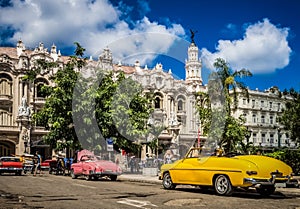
x: 222, y: 184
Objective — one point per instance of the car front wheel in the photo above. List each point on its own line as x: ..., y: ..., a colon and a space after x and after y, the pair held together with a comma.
x: 88, y: 177
x: 222, y: 185
x: 167, y: 182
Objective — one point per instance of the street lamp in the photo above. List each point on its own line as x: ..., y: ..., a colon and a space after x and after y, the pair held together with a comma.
x: 248, y: 135
x: 279, y: 137
x: 198, y: 133
x: 25, y: 139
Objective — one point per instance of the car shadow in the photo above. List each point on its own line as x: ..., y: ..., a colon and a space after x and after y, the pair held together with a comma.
x: 241, y: 193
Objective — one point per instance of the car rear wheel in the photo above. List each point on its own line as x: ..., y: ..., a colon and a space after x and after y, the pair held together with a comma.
x: 222, y: 185
x: 113, y: 177
x: 167, y: 182
x: 73, y: 175
x: 266, y: 190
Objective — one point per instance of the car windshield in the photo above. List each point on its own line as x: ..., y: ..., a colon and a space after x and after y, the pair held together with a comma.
x: 88, y: 158
x: 10, y: 159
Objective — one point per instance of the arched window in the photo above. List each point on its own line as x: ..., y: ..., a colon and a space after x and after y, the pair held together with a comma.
x: 180, y: 103
x: 158, y: 101
x: 40, y: 82
x: 5, y: 84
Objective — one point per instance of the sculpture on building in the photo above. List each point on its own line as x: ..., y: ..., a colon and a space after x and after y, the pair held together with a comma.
x: 193, y: 35
x: 173, y: 119
x: 24, y: 109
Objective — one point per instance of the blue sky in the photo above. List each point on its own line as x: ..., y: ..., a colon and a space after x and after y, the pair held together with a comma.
x: 260, y: 36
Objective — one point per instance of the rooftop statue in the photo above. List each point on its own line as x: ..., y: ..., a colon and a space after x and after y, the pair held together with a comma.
x: 193, y: 35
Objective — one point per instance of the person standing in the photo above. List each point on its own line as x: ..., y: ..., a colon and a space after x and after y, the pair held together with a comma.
x: 37, y: 163
x: 168, y: 157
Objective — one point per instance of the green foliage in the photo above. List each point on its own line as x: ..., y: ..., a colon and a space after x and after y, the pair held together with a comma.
x: 230, y: 81
x: 121, y: 110
x: 234, y: 134
x: 204, y: 110
x: 41, y: 65
x: 56, y: 115
x: 290, y: 117
x: 83, y: 111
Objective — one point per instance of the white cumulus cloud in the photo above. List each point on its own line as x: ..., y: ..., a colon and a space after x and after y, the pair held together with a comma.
x: 263, y: 49
x: 94, y: 24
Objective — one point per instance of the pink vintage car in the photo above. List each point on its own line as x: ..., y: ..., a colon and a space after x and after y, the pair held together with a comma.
x: 90, y: 167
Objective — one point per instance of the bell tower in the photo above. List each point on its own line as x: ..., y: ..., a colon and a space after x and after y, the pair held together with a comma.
x: 193, y: 65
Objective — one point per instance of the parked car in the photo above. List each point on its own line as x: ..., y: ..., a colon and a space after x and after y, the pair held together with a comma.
x: 225, y: 173
x: 11, y: 165
x: 87, y: 165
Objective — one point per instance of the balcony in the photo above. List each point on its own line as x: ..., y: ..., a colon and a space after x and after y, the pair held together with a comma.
x: 39, y: 101
x: 6, y: 99
x: 181, y: 113
x: 9, y: 129
x: 39, y: 130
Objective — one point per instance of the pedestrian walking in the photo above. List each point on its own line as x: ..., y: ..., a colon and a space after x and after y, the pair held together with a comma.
x: 132, y: 164
x: 37, y: 163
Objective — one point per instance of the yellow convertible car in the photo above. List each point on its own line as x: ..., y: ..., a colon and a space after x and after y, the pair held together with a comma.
x: 225, y: 173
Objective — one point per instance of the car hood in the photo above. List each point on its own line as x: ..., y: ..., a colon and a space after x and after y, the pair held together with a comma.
x: 267, y: 165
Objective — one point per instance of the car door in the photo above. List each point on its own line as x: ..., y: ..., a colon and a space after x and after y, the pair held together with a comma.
x: 189, y: 169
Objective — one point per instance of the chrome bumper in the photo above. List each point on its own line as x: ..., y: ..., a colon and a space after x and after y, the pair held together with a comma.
x: 105, y: 173
x: 10, y: 170
x: 272, y: 182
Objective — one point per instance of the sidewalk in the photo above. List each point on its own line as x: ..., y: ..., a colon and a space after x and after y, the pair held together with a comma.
x: 140, y: 178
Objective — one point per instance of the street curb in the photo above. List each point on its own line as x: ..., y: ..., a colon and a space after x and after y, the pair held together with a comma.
x: 142, y: 179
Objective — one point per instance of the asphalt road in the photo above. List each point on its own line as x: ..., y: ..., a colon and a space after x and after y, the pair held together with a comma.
x: 51, y: 191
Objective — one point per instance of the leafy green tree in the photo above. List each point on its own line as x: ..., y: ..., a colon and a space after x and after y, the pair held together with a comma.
x: 56, y: 115
x: 290, y: 117
x: 204, y: 110
x: 88, y: 105
x: 110, y: 106
x: 121, y: 110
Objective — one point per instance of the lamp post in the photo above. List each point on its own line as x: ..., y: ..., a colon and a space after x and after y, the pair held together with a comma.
x: 248, y: 135
x: 279, y: 137
x: 198, y: 133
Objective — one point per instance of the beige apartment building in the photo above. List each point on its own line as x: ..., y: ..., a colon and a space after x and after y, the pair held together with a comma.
x: 174, y: 103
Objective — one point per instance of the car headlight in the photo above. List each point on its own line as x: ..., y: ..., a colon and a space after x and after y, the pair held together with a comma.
x: 251, y: 172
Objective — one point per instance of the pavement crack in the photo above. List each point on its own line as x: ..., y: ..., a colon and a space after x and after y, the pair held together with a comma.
x: 134, y: 195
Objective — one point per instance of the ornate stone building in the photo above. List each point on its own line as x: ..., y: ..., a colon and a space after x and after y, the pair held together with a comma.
x: 20, y: 98
x: 174, y: 103
x: 261, y: 112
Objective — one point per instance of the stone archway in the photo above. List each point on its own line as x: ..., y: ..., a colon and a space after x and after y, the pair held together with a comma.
x: 7, y: 148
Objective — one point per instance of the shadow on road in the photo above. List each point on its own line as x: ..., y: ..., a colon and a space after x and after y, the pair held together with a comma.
x: 241, y: 193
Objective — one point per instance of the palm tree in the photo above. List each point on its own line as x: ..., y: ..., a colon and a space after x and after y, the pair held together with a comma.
x: 232, y: 134
x: 230, y: 81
